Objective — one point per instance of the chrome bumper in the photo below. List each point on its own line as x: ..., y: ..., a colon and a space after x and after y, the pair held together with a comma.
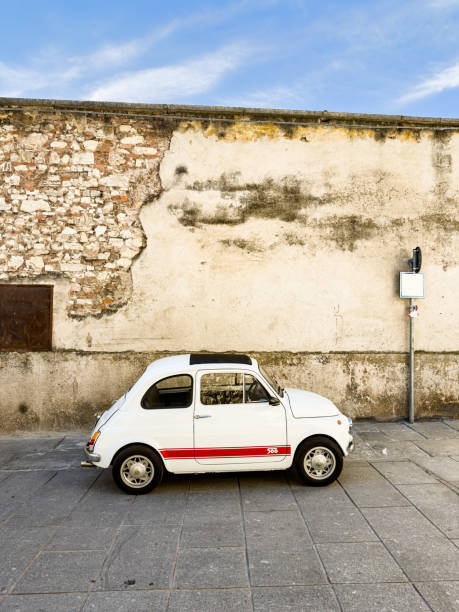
x: 92, y: 457
x: 350, y: 446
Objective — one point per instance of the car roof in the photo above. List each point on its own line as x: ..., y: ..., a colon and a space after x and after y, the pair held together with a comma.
x: 200, y: 358
x: 198, y: 361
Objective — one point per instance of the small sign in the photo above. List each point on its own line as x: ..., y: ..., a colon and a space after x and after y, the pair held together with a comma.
x: 411, y: 285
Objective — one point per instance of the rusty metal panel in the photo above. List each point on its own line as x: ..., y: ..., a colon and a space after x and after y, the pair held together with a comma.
x: 26, y: 321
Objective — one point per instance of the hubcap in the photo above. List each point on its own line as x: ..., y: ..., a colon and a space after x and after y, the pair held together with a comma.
x: 137, y: 471
x: 319, y: 463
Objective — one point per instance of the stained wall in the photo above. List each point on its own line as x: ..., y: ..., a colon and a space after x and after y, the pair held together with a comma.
x: 177, y: 229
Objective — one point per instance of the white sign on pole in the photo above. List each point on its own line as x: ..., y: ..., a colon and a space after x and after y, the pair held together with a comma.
x: 411, y: 285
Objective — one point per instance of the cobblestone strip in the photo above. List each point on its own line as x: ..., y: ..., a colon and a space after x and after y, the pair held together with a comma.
x: 107, y: 553
x: 57, y: 527
x: 412, y: 582
x: 245, y: 540
x: 314, y: 546
x: 171, y: 582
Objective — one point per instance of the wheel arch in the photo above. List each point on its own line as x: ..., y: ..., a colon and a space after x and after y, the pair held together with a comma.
x: 151, y: 448
x: 317, y: 435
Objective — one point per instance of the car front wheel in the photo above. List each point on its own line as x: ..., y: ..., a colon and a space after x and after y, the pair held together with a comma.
x: 319, y: 461
x: 137, y: 470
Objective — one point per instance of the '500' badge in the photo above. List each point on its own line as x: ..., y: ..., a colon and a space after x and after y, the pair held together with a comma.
x: 272, y: 450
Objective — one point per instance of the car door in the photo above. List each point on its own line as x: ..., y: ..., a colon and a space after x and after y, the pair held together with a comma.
x: 234, y: 423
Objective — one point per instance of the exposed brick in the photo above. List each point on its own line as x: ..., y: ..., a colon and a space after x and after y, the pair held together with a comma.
x: 70, y: 195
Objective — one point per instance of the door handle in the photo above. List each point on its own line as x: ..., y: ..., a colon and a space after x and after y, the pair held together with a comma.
x: 202, y: 416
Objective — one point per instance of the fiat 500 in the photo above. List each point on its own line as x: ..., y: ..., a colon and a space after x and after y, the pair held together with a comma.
x: 217, y: 413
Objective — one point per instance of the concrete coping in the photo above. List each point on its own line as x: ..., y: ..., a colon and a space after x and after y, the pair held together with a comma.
x: 226, y: 113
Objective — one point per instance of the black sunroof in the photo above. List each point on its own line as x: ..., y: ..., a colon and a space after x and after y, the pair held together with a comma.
x: 198, y: 358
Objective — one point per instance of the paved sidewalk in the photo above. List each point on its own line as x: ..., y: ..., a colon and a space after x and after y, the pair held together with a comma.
x: 385, y: 537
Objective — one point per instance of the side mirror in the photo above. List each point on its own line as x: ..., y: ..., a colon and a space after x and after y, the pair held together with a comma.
x: 273, y: 401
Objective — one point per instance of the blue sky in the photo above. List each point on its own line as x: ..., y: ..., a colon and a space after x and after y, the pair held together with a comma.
x: 354, y: 56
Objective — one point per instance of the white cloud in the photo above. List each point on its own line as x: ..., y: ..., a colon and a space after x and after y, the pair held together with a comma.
x: 50, y: 68
x: 113, y: 56
x: 14, y: 81
x: 445, y: 79
x: 274, y: 97
x: 177, y: 81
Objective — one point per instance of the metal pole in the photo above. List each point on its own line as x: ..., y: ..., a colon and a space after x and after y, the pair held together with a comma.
x: 411, y: 417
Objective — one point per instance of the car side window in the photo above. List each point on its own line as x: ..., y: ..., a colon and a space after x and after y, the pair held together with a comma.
x: 254, y: 390
x: 222, y: 388
x: 170, y: 392
x: 231, y: 388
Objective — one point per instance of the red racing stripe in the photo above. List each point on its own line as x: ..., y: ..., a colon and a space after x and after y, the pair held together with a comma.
x: 226, y: 452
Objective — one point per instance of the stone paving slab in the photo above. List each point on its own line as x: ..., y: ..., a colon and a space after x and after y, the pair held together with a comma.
x: 293, y: 599
x: 212, y: 482
x: 210, y: 600
x: 382, y: 538
x: 367, y: 487
x: 360, y: 562
x: 269, y: 567
x: 383, y: 598
x: 44, y: 460
x: 403, y: 472
x: 140, y: 558
x: 70, y: 602
x: 435, y: 430
x: 437, y: 502
x: 401, y: 523
x: 440, y: 447
x: 146, y: 510
x: 19, y: 547
x: 18, y: 488
x: 426, y: 558
x: 314, y: 499
x: 339, y: 524
x: 211, y: 567
x: 401, y: 449
x: 79, y: 537
x: 55, y: 500
x: 399, y: 431
x: 61, y: 572
x: 443, y: 467
x: 271, y: 494
x: 364, y: 425
x: 212, y: 532
x: 442, y: 596
x: 290, y: 533
x: 119, y: 601
x: 375, y: 436
x: 11, y: 448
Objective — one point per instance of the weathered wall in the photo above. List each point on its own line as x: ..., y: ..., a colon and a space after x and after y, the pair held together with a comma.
x: 178, y: 229
x: 65, y: 389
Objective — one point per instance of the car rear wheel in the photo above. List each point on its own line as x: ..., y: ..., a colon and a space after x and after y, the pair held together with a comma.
x: 137, y: 470
x: 319, y: 461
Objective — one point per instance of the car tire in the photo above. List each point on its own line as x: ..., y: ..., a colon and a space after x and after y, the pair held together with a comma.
x: 318, y: 461
x: 137, y: 470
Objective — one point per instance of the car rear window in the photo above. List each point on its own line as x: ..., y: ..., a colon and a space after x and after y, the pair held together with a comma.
x: 170, y: 392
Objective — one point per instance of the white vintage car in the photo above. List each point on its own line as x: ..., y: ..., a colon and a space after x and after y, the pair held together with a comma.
x: 217, y: 413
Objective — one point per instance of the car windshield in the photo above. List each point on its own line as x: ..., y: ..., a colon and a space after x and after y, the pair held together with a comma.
x: 272, y: 381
